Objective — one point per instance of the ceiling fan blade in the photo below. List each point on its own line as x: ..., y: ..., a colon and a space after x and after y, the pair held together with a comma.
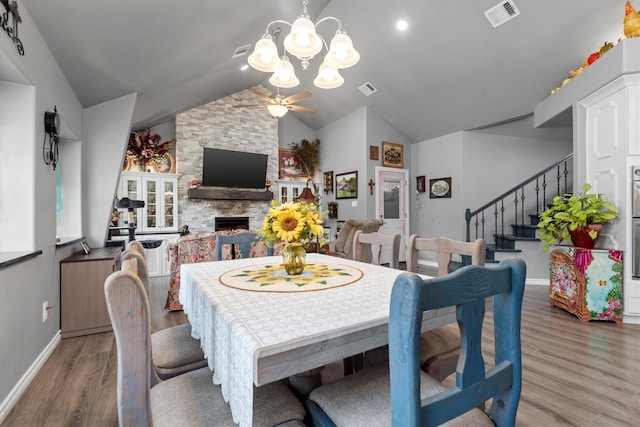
x: 297, y: 97
x: 260, y: 94
x: 302, y: 109
x: 250, y: 105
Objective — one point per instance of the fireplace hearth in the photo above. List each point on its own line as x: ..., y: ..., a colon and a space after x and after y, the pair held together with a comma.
x: 231, y: 223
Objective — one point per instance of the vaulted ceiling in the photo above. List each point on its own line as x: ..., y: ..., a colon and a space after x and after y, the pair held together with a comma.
x: 449, y: 71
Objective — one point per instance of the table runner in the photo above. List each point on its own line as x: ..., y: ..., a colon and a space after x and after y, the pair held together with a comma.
x: 271, y: 277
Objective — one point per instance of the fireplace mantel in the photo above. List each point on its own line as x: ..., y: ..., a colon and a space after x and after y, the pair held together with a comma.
x: 215, y: 193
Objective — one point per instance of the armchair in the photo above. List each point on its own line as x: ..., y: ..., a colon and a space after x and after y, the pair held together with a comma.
x: 343, y: 246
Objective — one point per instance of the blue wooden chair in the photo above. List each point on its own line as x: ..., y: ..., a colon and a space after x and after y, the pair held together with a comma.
x: 401, y: 394
x: 243, y: 240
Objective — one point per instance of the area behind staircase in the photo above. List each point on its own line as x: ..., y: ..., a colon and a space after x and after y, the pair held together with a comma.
x: 508, y: 222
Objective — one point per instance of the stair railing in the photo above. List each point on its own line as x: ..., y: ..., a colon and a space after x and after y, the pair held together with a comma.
x: 503, y: 208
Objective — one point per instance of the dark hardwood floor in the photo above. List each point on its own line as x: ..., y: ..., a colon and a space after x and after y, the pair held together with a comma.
x: 574, y: 373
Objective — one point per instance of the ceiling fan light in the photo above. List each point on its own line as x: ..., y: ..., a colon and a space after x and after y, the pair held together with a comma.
x: 284, y: 76
x: 328, y: 78
x: 265, y: 55
x: 277, y: 110
x: 302, y: 41
x: 341, y: 52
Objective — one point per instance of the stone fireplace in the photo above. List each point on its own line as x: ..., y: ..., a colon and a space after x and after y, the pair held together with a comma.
x: 220, y: 125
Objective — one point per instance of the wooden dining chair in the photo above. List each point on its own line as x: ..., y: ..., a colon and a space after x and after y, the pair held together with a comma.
x: 242, y: 240
x: 400, y: 394
x: 369, y: 246
x: 136, y: 245
x: 189, y: 399
x: 441, y: 346
x: 376, y: 242
x: 175, y: 351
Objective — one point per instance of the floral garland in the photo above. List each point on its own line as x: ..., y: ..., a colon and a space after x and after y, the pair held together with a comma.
x: 145, y: 147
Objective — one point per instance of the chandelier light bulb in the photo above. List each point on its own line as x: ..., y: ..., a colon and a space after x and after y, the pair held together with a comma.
x: 302, y: 41
x: 328, y: 78
x: 284, y: 76
x: 341, y: 52
x: 265, y: 55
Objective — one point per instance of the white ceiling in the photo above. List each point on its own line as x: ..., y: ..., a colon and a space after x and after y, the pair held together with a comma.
x: 450, y: 71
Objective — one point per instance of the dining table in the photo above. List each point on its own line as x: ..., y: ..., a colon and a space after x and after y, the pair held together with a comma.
x: 258, y: 325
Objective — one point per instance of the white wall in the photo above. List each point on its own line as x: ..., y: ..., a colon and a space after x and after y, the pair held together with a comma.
x: 41, y: 85
x: 438, y: 158
x: 25, y: 286
x: 379, y: 130
x: 342, y: 150
x: 107, y: 127
x: 291, y: 130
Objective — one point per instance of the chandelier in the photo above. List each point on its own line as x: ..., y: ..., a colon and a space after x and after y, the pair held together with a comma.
x: 304, y: 43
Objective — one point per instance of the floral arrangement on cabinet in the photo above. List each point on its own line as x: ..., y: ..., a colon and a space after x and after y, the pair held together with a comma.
x: 145, y: 147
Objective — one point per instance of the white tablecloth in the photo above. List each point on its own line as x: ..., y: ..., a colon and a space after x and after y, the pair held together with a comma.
x: 237, y: 328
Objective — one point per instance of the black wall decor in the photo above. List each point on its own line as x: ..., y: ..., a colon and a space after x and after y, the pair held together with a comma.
x: 52, y: 130
x: 11, y: 9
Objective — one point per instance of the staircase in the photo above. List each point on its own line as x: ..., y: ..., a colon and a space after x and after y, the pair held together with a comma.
x: 510, y: 219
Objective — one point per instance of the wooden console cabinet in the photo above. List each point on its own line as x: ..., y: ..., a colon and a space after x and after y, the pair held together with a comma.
x: 587, y: 282
x: 82, y: 302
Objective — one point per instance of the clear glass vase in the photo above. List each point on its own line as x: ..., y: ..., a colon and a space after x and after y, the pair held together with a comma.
x: 294, y: 259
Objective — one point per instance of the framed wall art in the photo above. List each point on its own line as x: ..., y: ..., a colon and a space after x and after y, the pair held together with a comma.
x: 374, y: 152
x: 439, y: 188
x: 392, y: 155
x: 347, y: 185
x: 287, y: 166
x: 328, y: 182
x: 420, y: 184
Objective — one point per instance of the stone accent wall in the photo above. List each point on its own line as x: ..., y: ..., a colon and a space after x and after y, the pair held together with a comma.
x: 220, y: 125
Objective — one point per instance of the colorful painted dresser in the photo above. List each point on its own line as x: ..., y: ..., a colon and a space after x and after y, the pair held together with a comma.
x: 587, y: 282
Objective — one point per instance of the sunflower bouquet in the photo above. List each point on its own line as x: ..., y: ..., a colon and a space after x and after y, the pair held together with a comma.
x: 294, y: 223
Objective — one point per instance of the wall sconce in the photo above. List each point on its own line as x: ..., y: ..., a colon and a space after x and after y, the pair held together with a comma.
x: 52, y: 129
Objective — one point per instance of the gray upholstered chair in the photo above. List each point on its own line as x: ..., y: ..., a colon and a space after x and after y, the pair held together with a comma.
x: 343, y: 245
x: 441, y: 346
x: 189, y: 399
x: 175, y: 351
x: 377, y: 242
x: 401, y: 394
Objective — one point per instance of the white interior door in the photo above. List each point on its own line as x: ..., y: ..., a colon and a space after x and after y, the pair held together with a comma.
x: 392, y: 206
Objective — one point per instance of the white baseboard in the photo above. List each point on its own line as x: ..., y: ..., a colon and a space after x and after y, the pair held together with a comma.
x: 537, y: 282
x: 28, y: 376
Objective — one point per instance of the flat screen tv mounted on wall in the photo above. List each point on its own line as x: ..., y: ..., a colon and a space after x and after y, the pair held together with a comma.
x: 236, y: 169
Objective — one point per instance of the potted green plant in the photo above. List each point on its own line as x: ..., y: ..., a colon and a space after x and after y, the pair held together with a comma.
x: 576, y: 217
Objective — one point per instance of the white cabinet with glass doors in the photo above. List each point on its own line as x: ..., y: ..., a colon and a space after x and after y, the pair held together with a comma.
x: 159, y: 193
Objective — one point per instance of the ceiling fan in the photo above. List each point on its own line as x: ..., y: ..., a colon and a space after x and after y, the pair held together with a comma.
x: 278, y: 105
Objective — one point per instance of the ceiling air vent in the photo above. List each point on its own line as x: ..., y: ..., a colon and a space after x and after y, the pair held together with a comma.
x: 501, y: 13
x: 241, y: 51
x: 367, y: 89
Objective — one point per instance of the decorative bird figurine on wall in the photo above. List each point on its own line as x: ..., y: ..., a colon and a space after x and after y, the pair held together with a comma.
x: 631, y: 21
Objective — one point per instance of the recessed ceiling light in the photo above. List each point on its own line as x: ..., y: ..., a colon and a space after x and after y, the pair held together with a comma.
x: 245, y: 67
x: 402, y: 25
